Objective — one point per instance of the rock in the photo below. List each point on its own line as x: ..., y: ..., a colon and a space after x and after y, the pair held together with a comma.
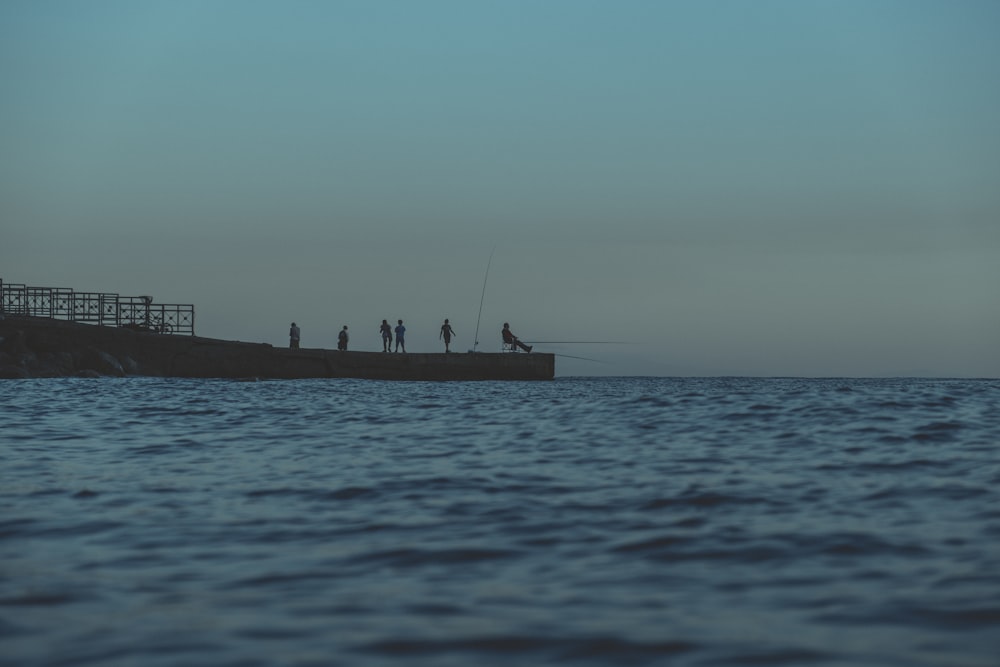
x: 14, y: 344
x: 65, y: 361
x: 27, y: 359
x: 49, y: 364
x: 13, y: 373
x: 92, y: 359
x: 130, y: 365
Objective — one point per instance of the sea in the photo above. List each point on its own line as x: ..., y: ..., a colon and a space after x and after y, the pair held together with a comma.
x: 582, y: 521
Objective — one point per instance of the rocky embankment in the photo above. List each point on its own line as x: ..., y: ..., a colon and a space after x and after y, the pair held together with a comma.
x: 32, y: 347
x: 42, y: 348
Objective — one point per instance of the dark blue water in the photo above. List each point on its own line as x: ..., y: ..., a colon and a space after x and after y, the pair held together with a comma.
x: 580, y: 522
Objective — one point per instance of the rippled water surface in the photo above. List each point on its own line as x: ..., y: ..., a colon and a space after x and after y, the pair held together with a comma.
x: 601, y: 521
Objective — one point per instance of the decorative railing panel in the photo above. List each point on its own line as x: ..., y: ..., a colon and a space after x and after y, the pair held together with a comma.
x: 103, y: 308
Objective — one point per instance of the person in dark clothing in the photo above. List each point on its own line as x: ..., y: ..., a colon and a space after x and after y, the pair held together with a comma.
x: 510, y: 339
x: 342, y: 339
x: 400, y: 336
x: 386, y: 336
x: 446, y: 332
x: 293, y: 336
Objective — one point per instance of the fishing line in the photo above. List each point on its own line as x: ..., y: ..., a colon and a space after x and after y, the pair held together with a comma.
x: 570, y: 356
x: 576, y: 342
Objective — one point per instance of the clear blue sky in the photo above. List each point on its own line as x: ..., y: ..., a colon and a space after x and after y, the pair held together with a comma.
x: 784, y: 187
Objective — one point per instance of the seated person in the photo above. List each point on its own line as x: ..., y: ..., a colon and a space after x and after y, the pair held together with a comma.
x: 510, y: 339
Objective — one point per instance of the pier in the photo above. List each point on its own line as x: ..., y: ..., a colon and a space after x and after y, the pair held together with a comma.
x: 50, y: 332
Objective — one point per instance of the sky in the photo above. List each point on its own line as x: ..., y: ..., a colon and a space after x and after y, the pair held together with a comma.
x: 767, y: 188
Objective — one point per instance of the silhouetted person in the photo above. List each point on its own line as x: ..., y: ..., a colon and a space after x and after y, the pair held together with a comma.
x: 386, y: 336
x: 400, y: 336
x: 342, y: 339
x: 293, y: 336
x: 447, y: 332
x: 511, y: 339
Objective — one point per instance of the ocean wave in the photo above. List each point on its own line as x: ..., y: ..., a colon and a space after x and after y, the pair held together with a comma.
x: 702, y: 521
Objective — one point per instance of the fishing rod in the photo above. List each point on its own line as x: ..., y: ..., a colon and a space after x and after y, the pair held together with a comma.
x: 482, y: 298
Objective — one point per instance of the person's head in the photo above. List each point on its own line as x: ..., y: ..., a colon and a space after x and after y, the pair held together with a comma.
x: 400, y: 321
x: 384, y: 322
x: 293, y: 324
x: 506, y: 326
x: 345, y: 327
x: 446, y: 320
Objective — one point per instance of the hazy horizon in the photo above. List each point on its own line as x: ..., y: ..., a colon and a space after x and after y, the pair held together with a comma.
x: 765, y: 189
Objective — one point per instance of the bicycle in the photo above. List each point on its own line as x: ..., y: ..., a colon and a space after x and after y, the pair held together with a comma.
x: 160, y: 326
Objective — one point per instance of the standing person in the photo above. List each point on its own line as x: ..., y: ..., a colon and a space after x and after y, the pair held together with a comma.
x: 400, y: 336
x: 511, y: 339
x: 342, y: 339
x: 386, y: 336
x: 293, y: 336
x: 447, y: 332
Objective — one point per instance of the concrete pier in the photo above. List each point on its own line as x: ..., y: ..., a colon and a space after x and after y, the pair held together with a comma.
x: 43, y: 347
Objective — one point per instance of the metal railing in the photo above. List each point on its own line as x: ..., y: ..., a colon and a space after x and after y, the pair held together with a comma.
x: 103, y: 308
